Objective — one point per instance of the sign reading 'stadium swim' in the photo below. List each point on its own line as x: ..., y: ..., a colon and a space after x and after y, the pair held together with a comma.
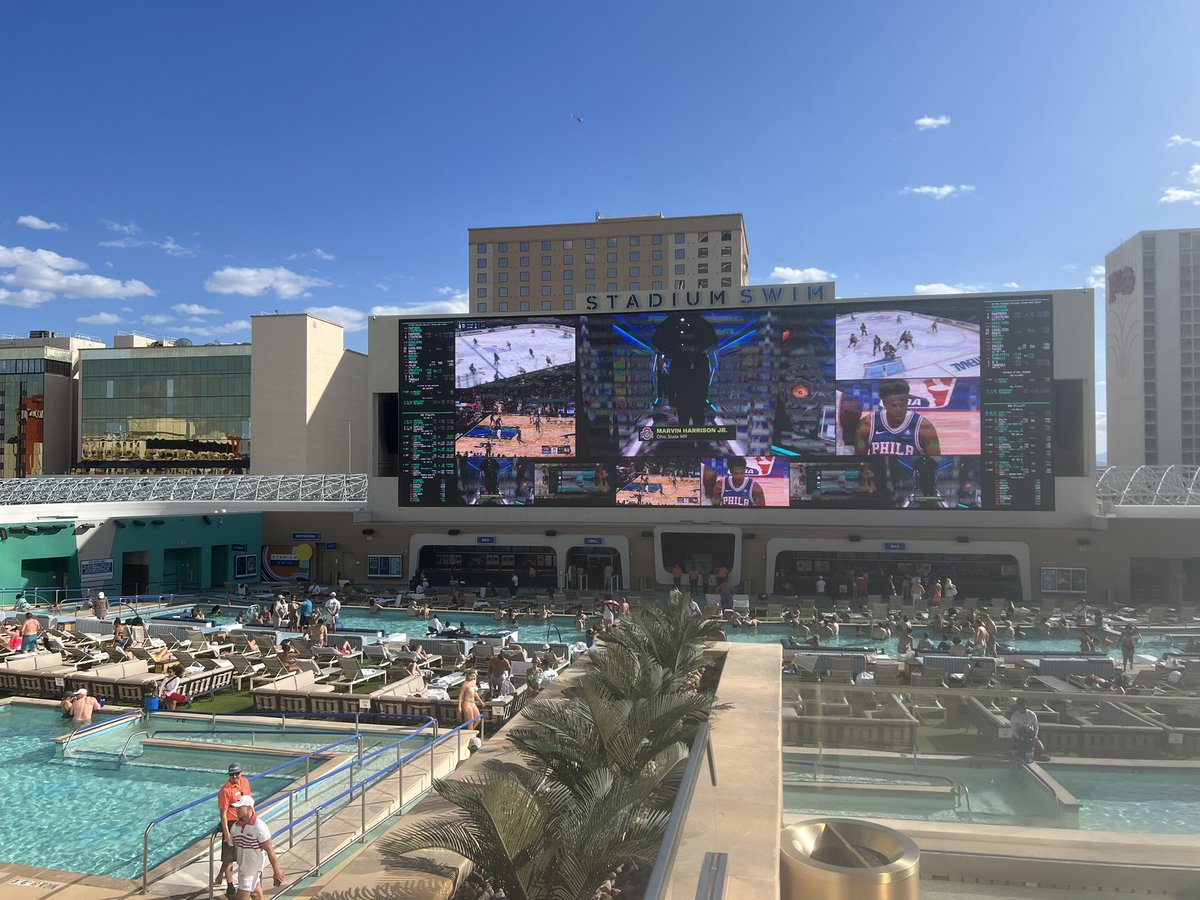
x: 751, y: 296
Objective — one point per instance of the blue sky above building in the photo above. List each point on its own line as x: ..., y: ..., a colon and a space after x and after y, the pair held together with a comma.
x: 174, y: 169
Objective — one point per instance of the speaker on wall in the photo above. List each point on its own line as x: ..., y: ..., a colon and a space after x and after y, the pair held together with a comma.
x: 551, y: 532
x: 856, y: 538
x: 453, y: 531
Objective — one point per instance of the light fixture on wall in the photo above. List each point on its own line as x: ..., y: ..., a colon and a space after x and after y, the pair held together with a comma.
x: 207, y: 520
x: 157, y: 522
x: 453, y: 532
x: 963, y: 539
x: 856, y: 538
x: 1084, y: 544
x: 118, y: 523
x: 368, y: 531
x: 550, y: 532
x: 139, y: 523
x: 84, y: 527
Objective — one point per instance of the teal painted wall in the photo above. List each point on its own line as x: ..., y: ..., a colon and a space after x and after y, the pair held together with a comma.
x: 178, y: 554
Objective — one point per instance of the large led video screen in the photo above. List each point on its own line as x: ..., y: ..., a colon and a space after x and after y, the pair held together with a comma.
x: 903, y: 404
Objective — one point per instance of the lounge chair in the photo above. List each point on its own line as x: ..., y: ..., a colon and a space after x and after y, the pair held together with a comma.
x: 354, y: 674
x: 244, y: 669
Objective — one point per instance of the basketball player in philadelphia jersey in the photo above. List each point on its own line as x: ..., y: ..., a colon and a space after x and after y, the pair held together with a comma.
x: 735, y: 489
x: 896, y: 430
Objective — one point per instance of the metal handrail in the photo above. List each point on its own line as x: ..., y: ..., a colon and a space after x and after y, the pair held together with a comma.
x: 97, y: 725
x: 128, y: 740
x: 960, y: 789
x: 656, y: 886
x: 362, y: 787
x: 291, y: 762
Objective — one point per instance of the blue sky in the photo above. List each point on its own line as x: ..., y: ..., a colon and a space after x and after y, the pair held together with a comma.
x: 176, y: 168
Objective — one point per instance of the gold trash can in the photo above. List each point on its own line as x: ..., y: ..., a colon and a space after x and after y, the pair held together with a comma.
x: 848, y: 859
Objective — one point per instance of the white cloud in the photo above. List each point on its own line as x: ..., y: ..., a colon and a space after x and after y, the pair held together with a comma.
x: 809, y: 275
x: 350, y: 319
x: 283, y: 283
x: 1095, y: 278
x: 925, y: 123
x: 938, y: 191
x: 156, y: 319
x: 456, y: 305
x: 213, y: 331
x: 38, y: 276
x: 133, y: 238
x: 128, y: 228
x: 170, y: 247
x: 1101, y: 434
x: 940, y: 287
x: 1177, y: 140
x: 447, y: 291
x: 39, y: 224
x: 1184, y: 194
x: 383, y: 287
x: 1011, y: 286
x: 195, y: 309
x: 102, y: 318
x: 315, y: 251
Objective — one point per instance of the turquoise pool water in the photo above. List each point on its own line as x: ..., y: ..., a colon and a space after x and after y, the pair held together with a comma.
x: 1162, y: 801
x: 1113, y: 798
x: 86, y: 814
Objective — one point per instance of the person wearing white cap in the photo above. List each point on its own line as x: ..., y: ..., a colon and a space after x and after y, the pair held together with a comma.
x: 233, y: 790
x: 252, y: 840
x: 100, y: 605
x: 80, y: 705
x: 333, y: 606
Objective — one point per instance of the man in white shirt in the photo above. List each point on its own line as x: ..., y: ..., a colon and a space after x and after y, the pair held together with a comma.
x: 435, y: 625
x: 694, y: 609
x: 280, y: 610
x: 333, y: 606
x: 251, y: 838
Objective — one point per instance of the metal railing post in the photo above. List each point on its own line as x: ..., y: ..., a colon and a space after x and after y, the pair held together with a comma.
x: 291, y: 815
x: 317, y: 870
x: 307, y: 767
x: 362, y: 836
x: 211, y: 874
x: 431, y: 762
x: 399, y: 782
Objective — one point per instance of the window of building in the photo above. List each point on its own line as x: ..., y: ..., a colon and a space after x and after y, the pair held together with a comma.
x: 726, y: 282
x: 481, y: 263
x: 502, y: 276
x: 589, y: 258
x: 679, y: 268
x: 524, y: 276
x: 545, y: 245
x: 482, y: 292
x: 545, y: 260
x: 727, y: 235
x: 702, y: 237
x: 656, y: 270
x: 503, y: 248
x: 611, y: 273
x: 612, y: 242
x: 481, y: 278
x: 727, y: 251
x: 524, y: 306
x: 502, y: 262
x: 589, y: 273
x: 679, y: 254
x: 702, y: 268
x: 502, y: 307
x: 589, y: 288
x: 656, y: 254
x: 545, y: 276
x: 702, y: 252
x: 524, y: 260
x: 612, y: 257
x: 569, y: 259
x: 726, y: 267
x: 679, y: 238
x: 568, y: 304
x: 635, y: 271
x: 634, y: 286
x: 680, y: 284
x: 634, y: 255
x: 589, y: 244
x: 568, y: 245
x: 568, y: 290
x: 612, y: 286
x: 568, y: 274
x: 524, y: 246
x: 656, y: 239
x: 524, y: 291
x: 545, y: 290
x: 656, y: 286
x: 546, y: 305
x: 503, y: 292
x: 481, y: 307
x: 634, y: 240
x: 702, y: 283
x: 481, y: 248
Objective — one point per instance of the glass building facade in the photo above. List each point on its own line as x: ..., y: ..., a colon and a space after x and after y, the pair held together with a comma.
x: 23, y: 411
x: 165, y: 411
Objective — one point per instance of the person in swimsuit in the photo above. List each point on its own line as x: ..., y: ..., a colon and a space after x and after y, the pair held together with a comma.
x: 468, y: 698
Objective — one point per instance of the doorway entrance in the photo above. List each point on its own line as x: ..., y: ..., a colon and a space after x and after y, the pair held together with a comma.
x: 135, y: 572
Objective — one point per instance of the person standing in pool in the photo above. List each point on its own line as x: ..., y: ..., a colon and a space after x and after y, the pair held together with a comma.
x: 80, y: 706
x: 231, y: 791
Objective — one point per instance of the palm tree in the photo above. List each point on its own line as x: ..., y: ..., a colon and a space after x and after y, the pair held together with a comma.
x: 668, y: 636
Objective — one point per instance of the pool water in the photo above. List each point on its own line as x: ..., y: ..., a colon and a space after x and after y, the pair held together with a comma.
x: 1162, y: 801
x: 85, y: 814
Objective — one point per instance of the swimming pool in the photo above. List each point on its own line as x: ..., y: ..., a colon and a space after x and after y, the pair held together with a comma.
x: 957, y: 789
x: 84, y: 814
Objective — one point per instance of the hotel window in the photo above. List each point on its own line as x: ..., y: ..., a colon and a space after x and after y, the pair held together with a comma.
x: 524, y: 246
x: 524, y: 260
x: 481, y: 307
x: 634, y: 286
x: 481, y: 248
x: 702, y: 269
x: 612, y: 286
x: 611, y: 273
x: 524, y: 291
x: 589, y: 273
x: 726, y: 282
x: 635, y: 271
x: 568, y: 245
x: 656, y: 254
x: 524, y: 306
x: 569, y: 260
x: 612, y: 242
x: 656, y: 286
x: 545, y: 245
x: 545, y: 260
x: 656, y: 270
x: 589, y: 288
x: 702, y: 252
x: 635, y: 255
x: 503, y: 276
x: 679, y: 254
x: 679, y: 238
x: 680, y: 284
x: 589, y: 257
x: 503, y: 292
x: 568, y: 275
x: 634, y: 240
x: 702, y: 237
x: 589, y: 244
x: 481, y: 278
x: 481, y: 263
x: 524, y: 276
x: 656, y: 239
x: 727, y: 235
x: 612, y: 257
x: 546, y: 305
x: 545, y: 290
x: 568, y: 304
x: 501, y: 307
x: 702, y: 282
x: 545, y: 276
x: 726, y: 267
x: 502, y: 262
x: 679, y: 269
x: 503, y: 248
x: 482, y: 292
x: 727, y: 251
x: 568, y: 290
